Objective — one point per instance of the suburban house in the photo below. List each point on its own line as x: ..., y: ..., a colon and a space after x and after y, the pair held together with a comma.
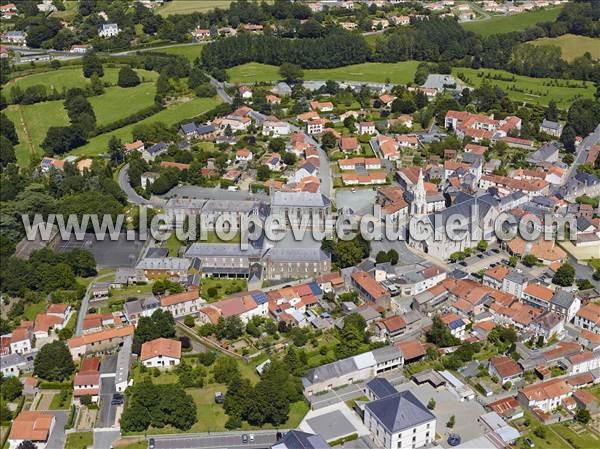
x: 20, y: 339
x: 109, y: 30
x: 98, y: 341
x: 504, y: 369
x: 181, y: 304
x: 161, y: 353
x: 366, y: 128
x: 588, y: 317
x: 545, y: 396
x: 87, y: 380
x: 582, y: 362
x: 34, y: 426
x: 551, y: 127
x: 370, y: 289
x: 400, y: 421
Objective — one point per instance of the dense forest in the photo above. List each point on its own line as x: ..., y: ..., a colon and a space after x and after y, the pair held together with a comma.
x: 431, y: 39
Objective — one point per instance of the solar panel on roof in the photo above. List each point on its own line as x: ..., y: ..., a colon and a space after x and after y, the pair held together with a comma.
x: 314, y: 288
x: 260, y: 297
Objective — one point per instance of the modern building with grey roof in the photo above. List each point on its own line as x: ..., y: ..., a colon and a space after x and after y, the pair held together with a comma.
x: 294, y: 205
x: 400, y: 420
x: 379, y: 388
x: 346, y: 371
x: 295, y: 439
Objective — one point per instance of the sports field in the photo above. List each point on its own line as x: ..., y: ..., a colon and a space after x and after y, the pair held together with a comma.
x: 68, y: 77
x: 531, y: 90
x: 516, y: 22
x: 573, y: 46
x: 397, y: 73
x: 189, y: 51
x: 173, y: 114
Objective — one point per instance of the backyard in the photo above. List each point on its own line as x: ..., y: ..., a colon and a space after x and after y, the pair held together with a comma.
x: 213, y: 289
x: 79, y: 440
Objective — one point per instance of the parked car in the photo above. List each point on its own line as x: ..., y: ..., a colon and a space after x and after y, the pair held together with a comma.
x: 251, y: 436
x: 529, y: 443
x: 151, y: 443
x: 244, y: 438
x: 219, y: 397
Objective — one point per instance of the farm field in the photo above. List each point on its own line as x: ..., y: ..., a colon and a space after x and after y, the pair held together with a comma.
x: 190, y: 6
x: 398, y: 73
x: 173, y: 114
x: 68, y: 77
x: 573, y: 46
x: 118, y: 102
x: 527, y: 89
x: 516, y: 22
x: 32, y: 123
x: 189, y: 51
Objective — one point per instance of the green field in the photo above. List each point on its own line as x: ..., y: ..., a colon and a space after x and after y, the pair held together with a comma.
x: 118, y: 102
x: 508, y: 24
x: 573, y: 46
x: 190, y: 6
x: 68, y: 77
x: 189, y: 51
x: 527, y: 89
x: 397, y: 73
x: 173, y: 114
x: 32, y: 123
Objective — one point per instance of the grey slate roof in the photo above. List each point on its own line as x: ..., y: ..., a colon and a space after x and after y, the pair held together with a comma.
x: 221, y: 250
x: 165, y: 263
x: 399, y: 412
x: 157, y: 148
x: 543, y: 153
x: 295, y: 439
x: 516, y: 277
x: 297, y: 254
x: 551, y: 125
x: 12, y: 360
x: 157, y: 252
x: 330, y: 371
x: 464, y: 204
x: 381, y: 387
x: 300, y: 199
x: 562, y: 299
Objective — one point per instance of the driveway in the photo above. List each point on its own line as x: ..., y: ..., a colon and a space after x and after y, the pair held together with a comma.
x: 108, y: 412
x: 132, y: 195
x: 57, y: 437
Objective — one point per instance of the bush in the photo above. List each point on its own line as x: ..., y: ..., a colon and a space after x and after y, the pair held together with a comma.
x: 189, y: 321
x: 212, y: 292
x: 207, y: 358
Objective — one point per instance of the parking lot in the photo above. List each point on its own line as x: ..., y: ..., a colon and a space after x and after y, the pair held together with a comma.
x: 108, y: 253
x: 480, y: 261
x: 447, y: 404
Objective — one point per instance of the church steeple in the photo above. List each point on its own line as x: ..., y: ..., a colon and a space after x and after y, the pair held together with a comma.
x: 419, y: 205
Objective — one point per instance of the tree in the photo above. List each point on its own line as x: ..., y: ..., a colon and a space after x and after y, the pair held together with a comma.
x: 530, y: 260
x: 86, y: 399
x: 92, y: 64
x: 263, y: 173
x: 7, y: 129
x: 26, y: 445
x: 512, y: 261
x: 291, y: 72
x: 328, y: 140
x: 189, y: 321
x: 451, y: 422
x: 54, y: 362
x: 115, y: 149
x: 393, y: 256
x: 277, y: 145
x: 11, y: 388
x: 551, y: 112
x: 564, y: 276
x: 431, y: 404
x: 482, y: 245
x: 440, y: 334
x: 225, y: 370
x: 583, y: 416
x: 540, y: 432
x: 7, y: 152
x: 128, y: 77
x: 381, y: 257
x: 159, y: 324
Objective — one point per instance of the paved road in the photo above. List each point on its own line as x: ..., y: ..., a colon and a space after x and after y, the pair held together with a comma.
x: 262, y: 439
x: 86, y: 302
x: 224, y: 96
x: 132, y: 195
x: 57, y: 437
x: 104, y: 438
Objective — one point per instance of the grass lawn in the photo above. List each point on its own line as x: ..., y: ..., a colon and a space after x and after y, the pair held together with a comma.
x: 32, y: 123
x: 578, y: 436
x: 573, y: 46
x: 117, y: 294
x: 118, y: 102
x: 32, y: 310
x: 397, y: 73
x: 189, y: 51
x: 225, y: 287
x: 60, y: 402
x: 190, y: 6
x: 79, y: 440
x: 530, y: 90
x: 173, y: 244
x: 516, y: 22
x: 71, y: 76
x: 212, y: 237
x: 173, y: 114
